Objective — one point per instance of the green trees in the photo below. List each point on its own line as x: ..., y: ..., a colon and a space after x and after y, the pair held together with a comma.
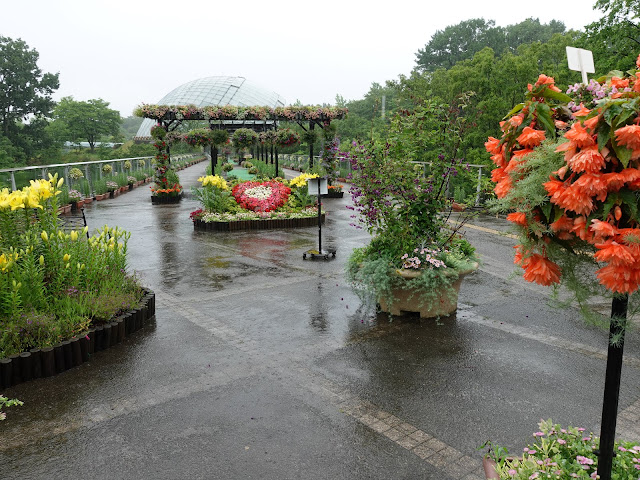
x: 615, y: 39
x: 461, y: 42
x: 25, y: 103
x: 87, y: 121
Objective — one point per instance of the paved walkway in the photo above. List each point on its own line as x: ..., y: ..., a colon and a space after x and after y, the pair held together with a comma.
x: 262, y: 365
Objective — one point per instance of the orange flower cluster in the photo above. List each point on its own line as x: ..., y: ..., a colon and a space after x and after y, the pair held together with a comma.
x: 592, y: 196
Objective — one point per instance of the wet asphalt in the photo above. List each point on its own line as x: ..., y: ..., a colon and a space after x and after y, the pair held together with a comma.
x: 262, y: 365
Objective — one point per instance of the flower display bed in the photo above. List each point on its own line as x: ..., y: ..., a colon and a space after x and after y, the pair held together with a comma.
x: 159, y: 200
x: 46, y: 362
x: 333, y: 195
x: 266, y: 224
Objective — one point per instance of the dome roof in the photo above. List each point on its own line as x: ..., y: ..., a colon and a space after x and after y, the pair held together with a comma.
x: 218, y: 91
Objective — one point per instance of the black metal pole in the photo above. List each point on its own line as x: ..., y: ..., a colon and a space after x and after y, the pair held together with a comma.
x: 276, y: 162
x: 214, y: 159
x: 612, y: 385
x: 271, y: 151
x: 311, y: 127
x: 319, y: 219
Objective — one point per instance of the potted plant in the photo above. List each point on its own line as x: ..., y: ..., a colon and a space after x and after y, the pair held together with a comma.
x: 76, y: 199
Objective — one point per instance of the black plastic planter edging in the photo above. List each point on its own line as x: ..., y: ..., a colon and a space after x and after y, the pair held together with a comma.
x: 49, y: 361
x: 36, y: 353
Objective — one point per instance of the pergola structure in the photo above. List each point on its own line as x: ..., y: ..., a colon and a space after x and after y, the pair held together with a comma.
x: 231, y: 118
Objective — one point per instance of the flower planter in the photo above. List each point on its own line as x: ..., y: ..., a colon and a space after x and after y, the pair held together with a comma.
x: 75, y: 206
x: 489, y: 466
x: 332, y: 194
x: 268, y: 224
x: 443, y: 303
x: 165, y: 199
x: 88, y: 201
x: 50, y: 361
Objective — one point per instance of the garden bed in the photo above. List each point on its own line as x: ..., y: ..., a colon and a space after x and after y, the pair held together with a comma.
x: 266, y: 224
x: 161, y: 200
x: 49, y: 361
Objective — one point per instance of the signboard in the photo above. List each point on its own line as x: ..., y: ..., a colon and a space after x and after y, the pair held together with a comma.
x: 317, y: 186
x: 582, y: 61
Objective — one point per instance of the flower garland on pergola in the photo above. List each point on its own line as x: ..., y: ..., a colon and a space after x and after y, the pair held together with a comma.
x: 228, y: 116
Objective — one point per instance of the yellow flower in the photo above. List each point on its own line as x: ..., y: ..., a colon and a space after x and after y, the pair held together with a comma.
x: 214, y: 181
x: 16, y: 200
x: 301, y: 180
x: 73, y: 235
x: 41, y: 260
x: 44, y: 236
x: 66, y: 258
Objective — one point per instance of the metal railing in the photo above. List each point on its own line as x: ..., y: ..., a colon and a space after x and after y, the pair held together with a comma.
x: 301, y: 161
x: 16, y: 178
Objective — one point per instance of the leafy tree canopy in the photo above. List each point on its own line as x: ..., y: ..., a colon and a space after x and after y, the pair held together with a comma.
x: 615, y: 39
x: 88, y: 121
x: 462, y: 41
x: 24, y: 90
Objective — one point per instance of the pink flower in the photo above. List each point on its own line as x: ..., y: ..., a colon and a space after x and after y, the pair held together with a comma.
x: 562, y: 441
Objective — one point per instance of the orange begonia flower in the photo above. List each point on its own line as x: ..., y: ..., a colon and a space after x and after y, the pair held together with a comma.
x: 588, y: 159
x: 636, y: 85
x: 619, y: 279
x: 591, y: 124
x: 583, y: 112
x: 580, y: 229
x: 518, y: 218
x: 629, y: 136
x: 594, y: 185
x: 573, y: 199
x: 569, y: 149
x: 503, y: 187
x: 513, y: 164
x: 619, y: 82
x: 492, y: 145
x: 602, y: 230
x: 541, y: 270
x: 530, y: 138
x: 560, y: 125
x: 563, y: 224
x: 614, y: 253
x: 516, y: 120
x: 499, y: 159
x: 498, y: 174
x: 579, y: 135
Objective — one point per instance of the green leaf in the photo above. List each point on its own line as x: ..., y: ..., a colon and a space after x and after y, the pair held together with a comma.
x: 544, y: 117
x: 604, y: 133
x: 612, y: 200
x: 514, y: 110
x: 559, y: 96
x: 630, y: 200
x: 623, y: 153
x: 546, y: 210
x: 611, y: 113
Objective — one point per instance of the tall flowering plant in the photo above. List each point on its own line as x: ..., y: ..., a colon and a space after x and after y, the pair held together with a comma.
x: 166, y: 179
x: 571, y: 176
x: 403, y: 205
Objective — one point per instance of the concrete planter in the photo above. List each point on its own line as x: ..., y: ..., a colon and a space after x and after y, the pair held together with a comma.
x: 443, y: 303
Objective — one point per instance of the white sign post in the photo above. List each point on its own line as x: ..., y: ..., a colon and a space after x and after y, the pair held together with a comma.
x: 582, y: 61
x: 319, y: 186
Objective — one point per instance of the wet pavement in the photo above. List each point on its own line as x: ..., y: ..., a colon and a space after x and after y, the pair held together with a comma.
x: 262, y: 365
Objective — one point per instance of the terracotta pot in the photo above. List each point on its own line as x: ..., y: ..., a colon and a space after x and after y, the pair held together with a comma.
x: 489, y: 468
x: 443, y: 303
x: 67, y: 208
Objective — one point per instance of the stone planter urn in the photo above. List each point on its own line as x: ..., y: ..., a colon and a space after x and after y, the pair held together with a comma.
x: 443, y: 303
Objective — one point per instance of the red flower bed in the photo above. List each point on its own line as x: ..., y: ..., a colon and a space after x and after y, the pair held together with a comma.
x: 261, y: 196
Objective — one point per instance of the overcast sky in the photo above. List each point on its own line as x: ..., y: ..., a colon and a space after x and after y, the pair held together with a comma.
x: 136, y: 51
